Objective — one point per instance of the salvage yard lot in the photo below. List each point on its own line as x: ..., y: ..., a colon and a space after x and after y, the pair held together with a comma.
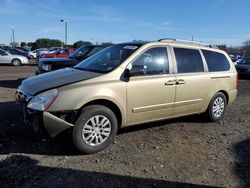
x: 179, y: 152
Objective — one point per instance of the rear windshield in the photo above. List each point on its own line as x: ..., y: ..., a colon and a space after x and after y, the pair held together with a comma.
x: 245, y: 61
x: 107, y: 59
x: 216, y: 61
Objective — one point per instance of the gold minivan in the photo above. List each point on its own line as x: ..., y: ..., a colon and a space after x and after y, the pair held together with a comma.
x: 127, y: 84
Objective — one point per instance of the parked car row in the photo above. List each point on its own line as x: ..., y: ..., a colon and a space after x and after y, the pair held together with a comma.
x: 50, y: 64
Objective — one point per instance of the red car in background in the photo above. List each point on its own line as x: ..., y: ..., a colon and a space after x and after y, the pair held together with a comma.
x: 62, y: 53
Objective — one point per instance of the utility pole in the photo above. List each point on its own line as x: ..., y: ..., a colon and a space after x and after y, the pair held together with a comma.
x: 244, y: 53
x: 66, y: 31
x: 13, y: 35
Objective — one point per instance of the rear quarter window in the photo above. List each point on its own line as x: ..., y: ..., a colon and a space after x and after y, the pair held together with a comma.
x: 216, y: 61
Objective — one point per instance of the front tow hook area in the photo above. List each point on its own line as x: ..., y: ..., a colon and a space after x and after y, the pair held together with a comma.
x: 54, y: 125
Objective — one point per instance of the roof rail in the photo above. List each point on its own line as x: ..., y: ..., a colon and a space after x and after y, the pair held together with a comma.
x: 167, y: 40
x: 187, y: 42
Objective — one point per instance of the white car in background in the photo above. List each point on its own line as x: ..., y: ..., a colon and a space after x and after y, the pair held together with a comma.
x: 50, y: 50
x: 16, y: 60
x: 35, y: 53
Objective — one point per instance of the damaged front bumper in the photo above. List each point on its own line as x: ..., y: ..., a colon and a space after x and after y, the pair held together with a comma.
x: 54, y: 125
x: 43, y: 121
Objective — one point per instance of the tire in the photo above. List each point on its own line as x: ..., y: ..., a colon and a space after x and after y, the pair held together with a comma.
x: 16, y: 62
x: 90, y: 138
x: 217, y: 107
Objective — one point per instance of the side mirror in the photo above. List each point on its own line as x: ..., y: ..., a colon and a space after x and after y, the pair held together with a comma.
x: 137, y: 70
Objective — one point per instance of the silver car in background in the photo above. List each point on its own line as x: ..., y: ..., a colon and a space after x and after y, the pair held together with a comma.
x: 16, y: 60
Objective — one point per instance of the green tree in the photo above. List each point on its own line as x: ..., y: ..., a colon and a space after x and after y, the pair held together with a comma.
x: 246, y: 48
x: 23, y: 44
x: 47, y: 43
x: 107, y: 43
x: 29, y: 44
x: 79, y: 43
x: 222, y: 47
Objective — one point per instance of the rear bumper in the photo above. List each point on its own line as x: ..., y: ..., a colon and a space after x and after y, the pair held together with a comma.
x: 232, y: 96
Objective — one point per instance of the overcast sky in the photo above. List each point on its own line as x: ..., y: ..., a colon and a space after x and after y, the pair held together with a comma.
x: 213, y: 21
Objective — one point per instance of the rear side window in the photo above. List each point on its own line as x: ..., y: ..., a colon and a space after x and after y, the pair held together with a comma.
x: 2, y: 52
x: 188, y: 60
x: 216, y: 61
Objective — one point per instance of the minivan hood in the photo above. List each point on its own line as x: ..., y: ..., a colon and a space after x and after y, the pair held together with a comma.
x: 37, y: 84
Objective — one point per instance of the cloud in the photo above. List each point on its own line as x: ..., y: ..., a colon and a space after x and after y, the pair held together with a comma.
x: 143, y: 24
x: 51, y: 30
x: 12, y: 7
x: 218, y: 3
x: 165, y: 23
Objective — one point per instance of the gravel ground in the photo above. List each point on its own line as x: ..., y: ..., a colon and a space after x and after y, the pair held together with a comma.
x: 186, y: 152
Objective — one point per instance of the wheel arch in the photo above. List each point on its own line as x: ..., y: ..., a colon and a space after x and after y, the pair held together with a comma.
x: 206, y: 105
x: 225, y: 93
x: 107, y: 103
x: 16, y: 58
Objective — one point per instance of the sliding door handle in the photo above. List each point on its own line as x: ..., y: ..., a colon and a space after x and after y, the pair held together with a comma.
x: 170, y: 82
x: 179, y: 82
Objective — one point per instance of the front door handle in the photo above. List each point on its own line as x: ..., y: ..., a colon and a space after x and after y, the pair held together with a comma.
x: 179, y: 82
x: 170, y: 82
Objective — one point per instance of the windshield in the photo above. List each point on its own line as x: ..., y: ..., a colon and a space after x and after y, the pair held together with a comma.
x: 80, y: 52
x: 245, y: 61
x: 107, y: 59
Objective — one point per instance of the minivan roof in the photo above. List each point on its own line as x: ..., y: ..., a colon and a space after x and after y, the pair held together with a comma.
x: 174, y: 41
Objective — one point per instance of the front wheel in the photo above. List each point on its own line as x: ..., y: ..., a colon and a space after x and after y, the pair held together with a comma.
x: 16, y: 62
x: 217, y: 107
x: 94, y: 129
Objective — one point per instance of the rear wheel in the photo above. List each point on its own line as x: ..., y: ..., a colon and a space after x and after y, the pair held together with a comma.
x: 16, y: 62
x: 217, y: 107
x: 95, y: 129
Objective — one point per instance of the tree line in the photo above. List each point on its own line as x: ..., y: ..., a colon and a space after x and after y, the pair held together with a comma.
x: 47, y: 43
x: 243, y: 50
